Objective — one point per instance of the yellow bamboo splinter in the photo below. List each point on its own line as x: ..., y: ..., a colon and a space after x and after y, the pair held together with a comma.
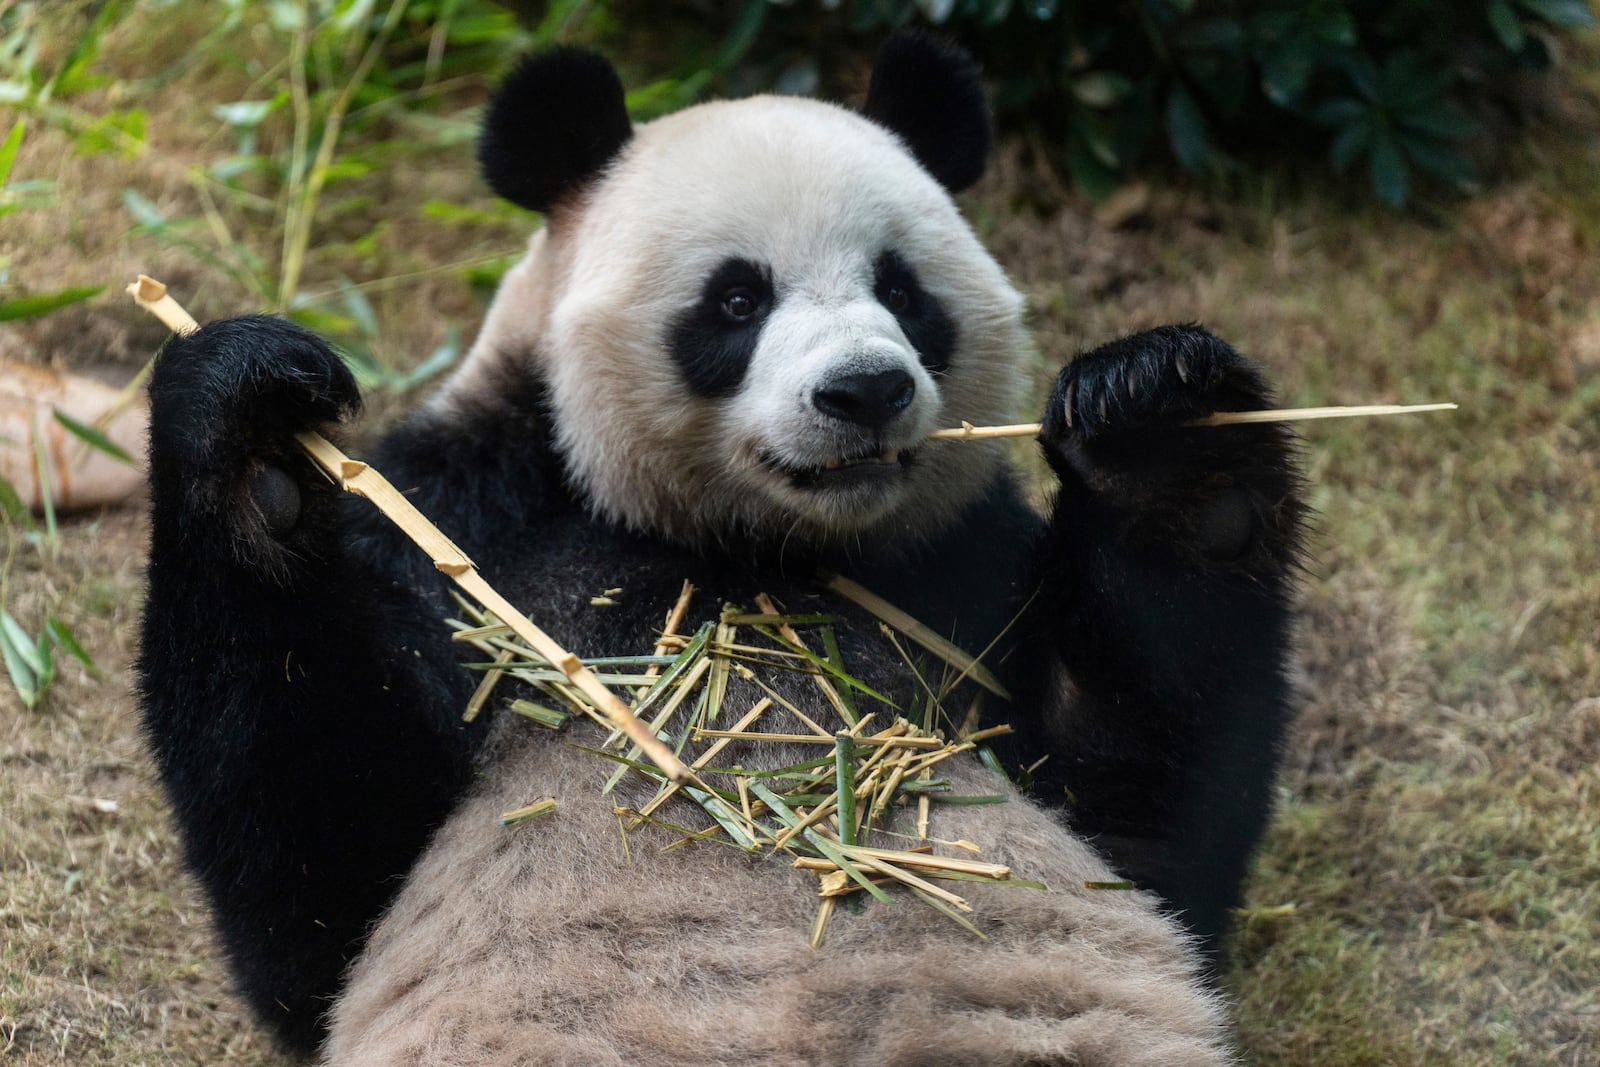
x: 364, y: 481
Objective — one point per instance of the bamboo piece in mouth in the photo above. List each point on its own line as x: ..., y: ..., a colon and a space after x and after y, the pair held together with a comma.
x: 968, y: 432
x: 358, y: 478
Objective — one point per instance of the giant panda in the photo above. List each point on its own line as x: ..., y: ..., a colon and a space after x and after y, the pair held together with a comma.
x: 719, y: 361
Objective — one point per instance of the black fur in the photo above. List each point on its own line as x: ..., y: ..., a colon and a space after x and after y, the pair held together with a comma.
x: 1167, y: 573
x: 922, y: 318
x: 287, y: 770
x: 303, y: 702
x: 711, y: 342
x: 930, y: 93
x: 552, y: 126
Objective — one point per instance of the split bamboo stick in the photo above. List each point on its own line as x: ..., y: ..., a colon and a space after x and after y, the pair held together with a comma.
x: 968, y: 432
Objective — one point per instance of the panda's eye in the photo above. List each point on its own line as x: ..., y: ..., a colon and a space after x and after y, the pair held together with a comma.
x: 895, y: 286
x: 740, y: 304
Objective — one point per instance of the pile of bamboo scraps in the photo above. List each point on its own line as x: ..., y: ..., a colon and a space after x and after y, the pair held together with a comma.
x: 829, y: 807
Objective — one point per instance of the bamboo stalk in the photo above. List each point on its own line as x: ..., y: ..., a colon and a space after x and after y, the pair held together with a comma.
x: 364, y: 481
x: 968, y: 432
x: 152, y: 296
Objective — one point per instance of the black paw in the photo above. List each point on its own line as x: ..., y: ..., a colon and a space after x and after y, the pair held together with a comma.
x: 225, y: 404
x: 243, y: 387
x: 1163, y: 377
x: 1117, y: 431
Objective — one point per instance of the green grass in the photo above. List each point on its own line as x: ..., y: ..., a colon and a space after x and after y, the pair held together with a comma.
x: 1437, y: 835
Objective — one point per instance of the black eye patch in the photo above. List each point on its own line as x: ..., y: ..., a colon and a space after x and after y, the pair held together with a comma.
x: 713, y: 339
x: 922, y: 318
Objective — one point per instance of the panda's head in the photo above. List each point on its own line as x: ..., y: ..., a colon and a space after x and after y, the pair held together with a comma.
x: 751, y: 313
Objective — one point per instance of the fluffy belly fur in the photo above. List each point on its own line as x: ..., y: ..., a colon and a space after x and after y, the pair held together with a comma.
x: 543, y: 944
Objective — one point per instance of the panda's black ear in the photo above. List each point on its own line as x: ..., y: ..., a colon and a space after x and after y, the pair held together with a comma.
x: 930, y: 92
x: 552, y: 126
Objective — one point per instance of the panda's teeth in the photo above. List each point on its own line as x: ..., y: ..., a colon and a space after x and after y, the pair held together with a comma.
x: 833, y: 464
x: 891, y: 456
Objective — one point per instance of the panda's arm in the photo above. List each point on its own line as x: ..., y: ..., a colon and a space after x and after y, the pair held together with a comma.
x: 299, y: 713
x: 1164, y: 614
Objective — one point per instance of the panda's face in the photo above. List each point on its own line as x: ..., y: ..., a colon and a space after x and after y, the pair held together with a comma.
x: 759, y: 313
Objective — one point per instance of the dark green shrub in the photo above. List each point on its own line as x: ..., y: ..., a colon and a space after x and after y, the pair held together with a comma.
x: 1387, y: 88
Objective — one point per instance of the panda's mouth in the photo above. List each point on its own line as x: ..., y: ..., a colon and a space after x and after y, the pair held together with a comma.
x: 841, y: 472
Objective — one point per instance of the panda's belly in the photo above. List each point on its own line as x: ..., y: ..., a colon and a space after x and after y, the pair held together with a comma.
x: 546, y: 943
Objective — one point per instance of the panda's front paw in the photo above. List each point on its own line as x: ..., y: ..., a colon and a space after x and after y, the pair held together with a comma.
x: 242, y: 388
x: 1117, y: 428
x: 225, y: 404
x: 1160, y: 378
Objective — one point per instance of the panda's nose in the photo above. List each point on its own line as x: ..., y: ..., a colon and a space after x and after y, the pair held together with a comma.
x: 870, y: 400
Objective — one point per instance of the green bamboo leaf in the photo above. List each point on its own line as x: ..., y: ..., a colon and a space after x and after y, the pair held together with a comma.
x: 987, y: 757
x: 825, y: 665
x: 441, y: 358
x: 1286, y: 70
x: 143, y: 209
x: 9, y: 148
x: 24, y: 679
x: 1090, y: 175
x: 248, y: 113
x: 44, y: 648
x: 94, y: 438
x: 1443, y: 161
x: 47, y: 504
x: 1506, y: 26
x: 830, y: 645
x: 1340, y: 111
x: 731, y: 822
x: 1352, y: 141
x: 649, y: 770
x: 1565, y: 13
x: 12, y: 505
x: 1386, y: 168
x: 952, y: 914
x: 795, y: 770
x: 1186, y: 129
x: 31, y: 307
x: 62, y: 634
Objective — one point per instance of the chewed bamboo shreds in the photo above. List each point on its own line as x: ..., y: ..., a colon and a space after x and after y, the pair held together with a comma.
x: 364, y: 481
x: 968, y: 432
